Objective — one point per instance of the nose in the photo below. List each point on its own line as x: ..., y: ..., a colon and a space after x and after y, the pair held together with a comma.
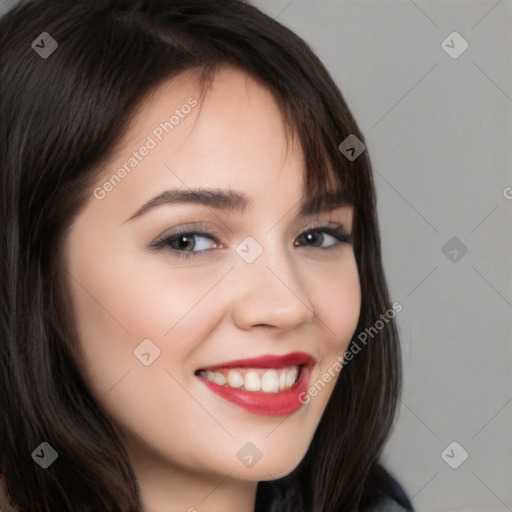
x: 270, y: 292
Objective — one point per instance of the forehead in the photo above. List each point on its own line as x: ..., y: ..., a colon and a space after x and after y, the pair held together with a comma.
x: 230, y: 134
x: 229, y: 101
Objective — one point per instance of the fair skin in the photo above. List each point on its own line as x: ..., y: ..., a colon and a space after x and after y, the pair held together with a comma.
x: 213, y: 307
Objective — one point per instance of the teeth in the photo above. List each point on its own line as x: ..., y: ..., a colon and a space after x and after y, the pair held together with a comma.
x: 291, y: 377
x: 282, y: 381
x: 255, y: 379
x: 235, y: 380
x: 270, y: 382
x: 252, y: 381
x: 218, y: 378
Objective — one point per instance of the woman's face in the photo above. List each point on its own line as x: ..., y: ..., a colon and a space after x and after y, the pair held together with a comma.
x: 151, y: 314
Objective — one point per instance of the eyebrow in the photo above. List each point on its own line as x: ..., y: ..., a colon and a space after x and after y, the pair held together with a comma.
x: 233, y: 201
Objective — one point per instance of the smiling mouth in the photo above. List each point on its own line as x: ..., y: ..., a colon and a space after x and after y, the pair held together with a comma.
x: 265, y: 380
x: 269, y: 385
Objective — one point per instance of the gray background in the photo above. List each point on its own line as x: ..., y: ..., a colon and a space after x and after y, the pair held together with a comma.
x: 438, y: 131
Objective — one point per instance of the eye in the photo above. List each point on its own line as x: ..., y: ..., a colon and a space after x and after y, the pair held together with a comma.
x: 186, y: 244
x: 333, y: 236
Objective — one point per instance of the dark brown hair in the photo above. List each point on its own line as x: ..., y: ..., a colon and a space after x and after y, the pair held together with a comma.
x: 61, y: 118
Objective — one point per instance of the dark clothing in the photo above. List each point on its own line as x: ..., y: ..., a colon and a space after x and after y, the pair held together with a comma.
x: 382, y: 493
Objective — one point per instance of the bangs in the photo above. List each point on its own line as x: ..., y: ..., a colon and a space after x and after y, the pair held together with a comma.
x: 329, y: 176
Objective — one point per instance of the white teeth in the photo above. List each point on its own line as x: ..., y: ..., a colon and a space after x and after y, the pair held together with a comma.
x: 270, y: 382
x: 256, y: 379
x: 282, y: 381
x: 218, y: 378
x: 291, y: 377
x: 235, y: 379
x: 252, y: 381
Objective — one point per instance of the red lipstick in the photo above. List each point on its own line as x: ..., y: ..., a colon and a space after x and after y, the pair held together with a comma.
x: 259, y: 402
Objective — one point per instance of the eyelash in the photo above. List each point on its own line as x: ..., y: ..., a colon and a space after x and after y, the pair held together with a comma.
x: 336, y: 230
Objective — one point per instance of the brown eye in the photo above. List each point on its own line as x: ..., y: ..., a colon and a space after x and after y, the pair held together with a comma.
x: 186, y: 243
x: 317, y: 237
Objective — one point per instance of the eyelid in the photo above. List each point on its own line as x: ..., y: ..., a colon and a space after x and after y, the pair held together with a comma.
x: 330, y: 224
x: 197, y: 228
x: 333, y: 228
x: 202, y: 229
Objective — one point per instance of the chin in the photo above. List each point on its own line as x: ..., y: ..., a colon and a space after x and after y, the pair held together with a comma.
x: 271, y: 466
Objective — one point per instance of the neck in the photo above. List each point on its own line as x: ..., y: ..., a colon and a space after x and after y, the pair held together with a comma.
x: 166, y: 488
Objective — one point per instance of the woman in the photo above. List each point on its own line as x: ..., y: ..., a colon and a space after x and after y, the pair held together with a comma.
x: 191, y: 261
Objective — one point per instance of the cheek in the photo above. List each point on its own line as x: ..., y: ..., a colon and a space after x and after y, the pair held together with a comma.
x: 120, y: 302
x: 338, y: 305
x: 336, y: 298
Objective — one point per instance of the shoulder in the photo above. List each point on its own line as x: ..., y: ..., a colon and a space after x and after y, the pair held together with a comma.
x: 388, y: 505
x: 383, y: 493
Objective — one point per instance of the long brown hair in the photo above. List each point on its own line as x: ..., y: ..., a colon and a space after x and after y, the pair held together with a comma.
x: 61, y: 117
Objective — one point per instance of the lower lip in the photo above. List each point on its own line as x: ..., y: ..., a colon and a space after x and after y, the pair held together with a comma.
x: 270, y: 404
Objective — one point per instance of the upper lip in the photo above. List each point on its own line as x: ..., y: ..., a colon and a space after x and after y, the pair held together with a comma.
x: 268, y: 361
